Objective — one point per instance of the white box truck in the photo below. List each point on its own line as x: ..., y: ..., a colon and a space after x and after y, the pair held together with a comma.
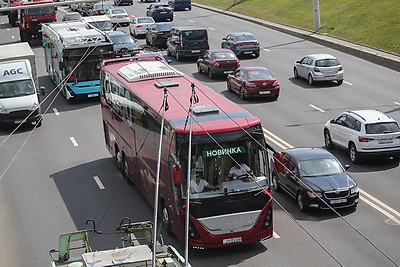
x: 19, y: 99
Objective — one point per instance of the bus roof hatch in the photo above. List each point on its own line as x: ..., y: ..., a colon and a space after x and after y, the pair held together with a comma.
x: 144, y: 70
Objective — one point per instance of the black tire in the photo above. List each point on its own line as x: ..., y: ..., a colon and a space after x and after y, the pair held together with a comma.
x: 310, y: 80
x: 39, y: 122
x: 339, y: 82
x: 178, y: 57
x: 210, y: 74
x: 295, y: 73
x: 275, y: 183
x: 23, y: 36
x: 199, y: 70
x: 301, y: 202
x: 119, y: 158
x: 168, y: 52
x: 353, y: 154
x: 328, y: 139
x: 229, y: 86
x: 125, y: 170
x: 256, y: 54
x: 166, y: 219
x: 241, y: 94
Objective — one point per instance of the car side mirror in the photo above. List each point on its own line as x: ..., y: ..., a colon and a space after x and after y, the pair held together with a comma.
x: 333, y: 121
x: 298, y: 61
x: 346, y: 167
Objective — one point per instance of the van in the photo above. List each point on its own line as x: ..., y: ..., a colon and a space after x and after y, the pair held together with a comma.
x: 187, y: 41
x: 180, y: 4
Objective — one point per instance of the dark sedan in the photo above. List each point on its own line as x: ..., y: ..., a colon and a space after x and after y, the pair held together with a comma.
x: 253, y: 82
x: 123, y: 43
x: 315, y: 178
x: 160, y: 12
x: 242, y: 43
x: 217, y: 62
x: 158, y: 34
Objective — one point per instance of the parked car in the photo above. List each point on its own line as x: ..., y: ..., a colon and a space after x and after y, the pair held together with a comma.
x: 160, y: 12
x: 180, y: 4
x: 119, y: 16
x: 242, y: 43
x: 253, y: 82
x: 319, y: 67
x: 315, y: 178
x: 71, y: 16
x: 98, y: 9
x: 140, y: 25
x: 187, y: 41
x: 364, y: 133
x: 123, y: 43
x: 158, y: 33
x: 217, y: 62
x: 123, y: 2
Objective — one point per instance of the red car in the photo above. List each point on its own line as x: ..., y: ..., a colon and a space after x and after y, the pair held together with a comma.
x: 253, y: 82
x: 217, y: 62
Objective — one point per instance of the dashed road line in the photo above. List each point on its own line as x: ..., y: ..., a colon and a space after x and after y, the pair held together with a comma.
x: 98, y: 182
x: 267, y: 50
x: 73, y: 141
x: 56, y: 112
x: 347, y: 83
x: 317, y: 108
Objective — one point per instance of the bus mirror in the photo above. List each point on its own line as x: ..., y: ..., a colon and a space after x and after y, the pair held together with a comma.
x: 278, y: 158
x: 177, y: 174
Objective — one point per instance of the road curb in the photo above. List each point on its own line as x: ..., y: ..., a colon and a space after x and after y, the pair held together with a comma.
x: 386, y: 59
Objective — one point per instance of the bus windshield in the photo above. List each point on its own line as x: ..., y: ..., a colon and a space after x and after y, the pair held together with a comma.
x: 86, y: 71
x: 213, y: 162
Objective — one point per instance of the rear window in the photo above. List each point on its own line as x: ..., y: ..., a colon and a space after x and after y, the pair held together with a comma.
x: 382, y: 128
x: 194, y: 35
x: 164, y: 27
x: 224, y: 55
x: 327, y: 62
x: 245, y: 37
x: 260, y: 74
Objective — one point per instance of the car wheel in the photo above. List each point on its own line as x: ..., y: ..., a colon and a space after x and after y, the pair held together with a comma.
x: 178, y: 57
x: 241, y: 93
x: 328, y: 139
x: 275, y: 183
x: 168, y: 52
x: 301, y: 202
x: 126, y: 170
x: 119, y: 159
x: 296, y: 74
x: 339, y: 82
x: 166, y: 219
x: 199, y: 70
x: 147, y: 42
x: 353, y: 153
x: 210, y: 74
x: 310, y: 79
x: 256, y: 54
x: 229, y: 86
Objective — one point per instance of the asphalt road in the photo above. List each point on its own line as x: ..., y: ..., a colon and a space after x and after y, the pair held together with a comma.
x: 49, y: 188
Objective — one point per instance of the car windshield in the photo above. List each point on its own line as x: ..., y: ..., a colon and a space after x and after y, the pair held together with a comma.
x: 260, y: 74
x: 145, y: 20
x: 118, y: 11
x: 329, y: 62
x: 73, y: 17
x: 382, y: 128
x: 101, y: 6
x: 319, y: 167
x: 195, y: 35
x: 245, y: 37
x: 16, y: 88
x: 102, y: 25
x: 224, y: 55
x: 164, y: 27
x: 122, y: 39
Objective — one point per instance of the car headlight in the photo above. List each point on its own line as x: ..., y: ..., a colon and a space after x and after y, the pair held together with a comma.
x: 35, y: 106
x: 314, y: 194
x: 354, y: 190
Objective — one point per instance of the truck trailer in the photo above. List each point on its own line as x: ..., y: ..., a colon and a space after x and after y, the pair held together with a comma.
x: 19, y: 100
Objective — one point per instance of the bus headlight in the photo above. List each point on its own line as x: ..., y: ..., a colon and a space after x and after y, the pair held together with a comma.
x: 193, y: 234
x: 268, y: 219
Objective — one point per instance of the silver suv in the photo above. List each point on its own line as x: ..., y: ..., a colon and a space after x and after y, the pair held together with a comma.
x: 365, y: 133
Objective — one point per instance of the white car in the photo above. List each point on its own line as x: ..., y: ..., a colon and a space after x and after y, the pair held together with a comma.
x: 140, y: 25
x: 319, y: 67
x: 119, y: 16
x: 365, y: 133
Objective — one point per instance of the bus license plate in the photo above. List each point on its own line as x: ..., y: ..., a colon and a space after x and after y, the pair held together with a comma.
x: 93, y: 95
x: 232, y: 240
x: 337, y: 201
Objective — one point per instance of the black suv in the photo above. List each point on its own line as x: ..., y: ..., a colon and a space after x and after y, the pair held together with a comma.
x: 187, y: 41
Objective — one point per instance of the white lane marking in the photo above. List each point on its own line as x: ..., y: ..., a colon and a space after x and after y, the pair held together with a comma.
x: 98, y: 182
x: 372, y: 202
x: 397, y: 103
x: 275, y: 235
x: 212, y: 29
x: 56, y: 112
x: 265, y: 49
x: 317, y: 108
x: 73, y: 141
x: 7, y: 28
x: 191, y: 20
x: 347, y: 83
x: 12, y: 37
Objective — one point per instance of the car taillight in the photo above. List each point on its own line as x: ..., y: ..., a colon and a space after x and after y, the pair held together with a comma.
x: 276, y: 83
x: 238, y: 62
x: 340, y: 69
x: 365, y: 139
x: 256, y: 43
x: 139, y: 26
x: 316, y: 70
x: 238, y: 44
x: 111, y: 17
x: 216, y: 64
x: 181, y: 43
x: 248, y: 84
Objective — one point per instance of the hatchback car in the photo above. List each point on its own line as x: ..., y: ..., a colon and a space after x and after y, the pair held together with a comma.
x: 217, y: 62
x: 242, y: 43
x: 253, y: 82
x: 119, y: 16
x: 364, y: 133
x: 319, y: 67
x: 123, y: 43
x: 160, y: 12
x: 315, y: 178
x: 158, y: 34
x: 71, y: 16
x: 140, y: 25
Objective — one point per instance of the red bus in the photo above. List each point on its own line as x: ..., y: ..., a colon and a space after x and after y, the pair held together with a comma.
x: 235, y: 211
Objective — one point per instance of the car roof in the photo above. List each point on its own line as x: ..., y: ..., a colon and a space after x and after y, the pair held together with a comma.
x: 117, y: 33
x: 220, y: 50
x: 321, y: 56
x: 189, y: 27
x: 307, y: 153
x: 371, y: 115
x: 241, y: 33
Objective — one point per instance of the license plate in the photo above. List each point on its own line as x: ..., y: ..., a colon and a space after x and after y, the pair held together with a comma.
x: 93, y: 95
x: 265, y: 92
x: 248, y: 52
x: 385, y: 141
x: 232, y: 240
x: 337, y: 201
x: 227, y: 71
x: 195, y: 51
x: 163, y: 12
